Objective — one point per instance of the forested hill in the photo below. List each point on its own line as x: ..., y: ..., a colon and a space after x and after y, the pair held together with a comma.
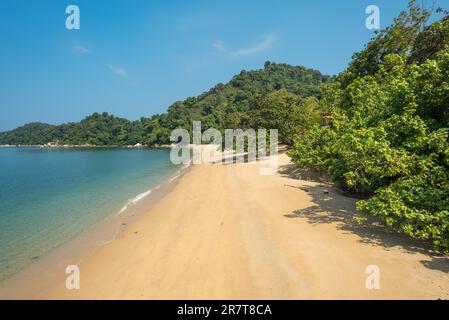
x: 237, y: 104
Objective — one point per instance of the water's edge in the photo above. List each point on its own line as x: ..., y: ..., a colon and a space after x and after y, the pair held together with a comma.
x: 49, y: 270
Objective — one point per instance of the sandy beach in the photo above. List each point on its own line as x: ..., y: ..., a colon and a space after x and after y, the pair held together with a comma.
x: 226, y: 232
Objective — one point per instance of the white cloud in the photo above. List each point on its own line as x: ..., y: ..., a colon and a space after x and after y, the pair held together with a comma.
x: 80, y: 49
x: 118, y: 71
x: 219, y: 45
x: 263, y: 45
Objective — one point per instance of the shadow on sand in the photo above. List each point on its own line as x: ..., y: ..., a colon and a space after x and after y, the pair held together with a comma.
x: 331, y: 205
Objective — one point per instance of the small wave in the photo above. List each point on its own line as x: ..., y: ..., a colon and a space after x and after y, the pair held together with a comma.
x: 123, y: 209
x: 141, y: 196
x: 144, y: 194
x: 133, y: 201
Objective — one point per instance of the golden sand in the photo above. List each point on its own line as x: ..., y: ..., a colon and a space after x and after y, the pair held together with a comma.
x: 226, y: 232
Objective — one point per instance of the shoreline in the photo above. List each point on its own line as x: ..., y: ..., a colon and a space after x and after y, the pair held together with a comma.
x: 86, y: 146
x: 226, y: 232
x: 47, y: 269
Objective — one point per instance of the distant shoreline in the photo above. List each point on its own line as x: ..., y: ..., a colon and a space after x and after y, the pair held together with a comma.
x: 68, y: 146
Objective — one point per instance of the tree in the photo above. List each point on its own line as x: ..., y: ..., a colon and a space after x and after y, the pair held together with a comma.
x: 398, y: 38
x: 390, y: 133
x: 287, y: 112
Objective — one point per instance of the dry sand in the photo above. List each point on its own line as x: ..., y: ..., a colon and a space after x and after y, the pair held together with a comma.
x: 226, y: 232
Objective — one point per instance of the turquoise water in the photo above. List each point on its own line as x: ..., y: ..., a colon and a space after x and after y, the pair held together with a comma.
x: 48, y: 196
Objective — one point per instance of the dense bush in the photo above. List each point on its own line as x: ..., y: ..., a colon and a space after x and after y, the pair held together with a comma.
x: 389, y: 137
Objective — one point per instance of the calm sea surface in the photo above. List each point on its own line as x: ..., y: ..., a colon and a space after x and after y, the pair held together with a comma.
x: 48, y: 196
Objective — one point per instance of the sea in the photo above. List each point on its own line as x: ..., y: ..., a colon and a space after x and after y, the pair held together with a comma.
x: 48, y: 196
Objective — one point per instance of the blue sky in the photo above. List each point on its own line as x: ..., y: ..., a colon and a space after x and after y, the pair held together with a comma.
x: 134, y: 58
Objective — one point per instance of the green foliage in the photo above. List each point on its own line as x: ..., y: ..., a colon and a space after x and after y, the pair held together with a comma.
x: 432, y: 40
x: 314, y: 149
x: 389, y: 137
x: 384, y: 122
x: 97, y: 129
x: 232, y: 105
x: 395, y: 39
x: 287, y: 112
x: 237, y: 104
x: 33, y: 133
x: 416, y: 205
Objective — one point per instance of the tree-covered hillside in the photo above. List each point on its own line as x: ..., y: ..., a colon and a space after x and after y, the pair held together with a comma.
x: 236, y: 104
x: 390, y: 130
